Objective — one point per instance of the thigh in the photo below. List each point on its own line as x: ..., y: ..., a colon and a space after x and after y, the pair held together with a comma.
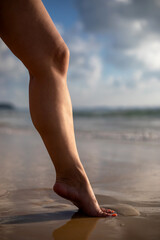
x: 28, y: 31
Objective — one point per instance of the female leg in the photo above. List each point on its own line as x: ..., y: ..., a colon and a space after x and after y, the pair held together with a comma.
x: 29, y: 32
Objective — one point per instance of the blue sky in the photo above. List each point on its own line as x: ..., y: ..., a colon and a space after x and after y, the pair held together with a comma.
x: 115, y: 53
x: 63, y: 11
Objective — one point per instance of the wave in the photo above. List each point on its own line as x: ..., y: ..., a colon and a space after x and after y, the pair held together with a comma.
x: 136, y: 112
x: 93, y: 112
x: 117, y: 124
x: 146, y: 136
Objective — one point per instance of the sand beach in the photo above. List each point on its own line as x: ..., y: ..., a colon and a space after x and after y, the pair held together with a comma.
x: 121, y: 156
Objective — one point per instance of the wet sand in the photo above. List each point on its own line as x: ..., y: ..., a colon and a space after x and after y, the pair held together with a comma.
x: 125, y: 176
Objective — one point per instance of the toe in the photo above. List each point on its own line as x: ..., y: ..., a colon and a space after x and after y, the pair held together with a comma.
x: 103, y: 213
x: 108, y: 212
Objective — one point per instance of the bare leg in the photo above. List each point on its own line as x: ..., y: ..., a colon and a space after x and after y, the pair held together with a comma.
x: 27, y: 29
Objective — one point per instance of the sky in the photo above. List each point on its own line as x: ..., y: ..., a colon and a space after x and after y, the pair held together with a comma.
x: 114, y: 54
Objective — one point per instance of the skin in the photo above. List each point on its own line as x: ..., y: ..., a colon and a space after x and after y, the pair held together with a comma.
x: 29, y: 32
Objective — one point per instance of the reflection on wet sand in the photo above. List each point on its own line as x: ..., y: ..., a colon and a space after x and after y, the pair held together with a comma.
x: 77, y: 228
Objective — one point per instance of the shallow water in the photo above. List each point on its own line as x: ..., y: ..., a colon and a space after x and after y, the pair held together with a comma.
x: 124, y: 172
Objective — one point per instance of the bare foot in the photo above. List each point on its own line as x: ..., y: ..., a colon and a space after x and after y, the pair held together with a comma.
x: 78, y: 190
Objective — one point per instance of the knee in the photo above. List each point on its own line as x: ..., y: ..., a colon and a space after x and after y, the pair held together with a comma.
x: 55, y: 59
x: 60, y: 59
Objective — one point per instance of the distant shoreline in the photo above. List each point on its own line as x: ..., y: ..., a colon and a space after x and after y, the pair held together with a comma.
x: 100, y: 111
x: 6, y: 106
x: 117, y: 112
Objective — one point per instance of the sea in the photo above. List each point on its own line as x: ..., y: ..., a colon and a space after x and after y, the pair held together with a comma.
x: 136, y: 124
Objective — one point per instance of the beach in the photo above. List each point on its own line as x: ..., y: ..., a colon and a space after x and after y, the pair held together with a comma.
x: 121, y: 155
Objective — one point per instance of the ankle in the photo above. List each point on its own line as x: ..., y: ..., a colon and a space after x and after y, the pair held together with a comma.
x: 72, y: 176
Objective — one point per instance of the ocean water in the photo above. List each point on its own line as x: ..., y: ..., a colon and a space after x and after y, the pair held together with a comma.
x: 128, y: 125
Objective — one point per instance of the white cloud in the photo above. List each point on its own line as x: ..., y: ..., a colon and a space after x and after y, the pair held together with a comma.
x: 85, y: 68
x: 124, y: 1
x: 148, y: 53
x: 13, y: 78
x: 125, y: 24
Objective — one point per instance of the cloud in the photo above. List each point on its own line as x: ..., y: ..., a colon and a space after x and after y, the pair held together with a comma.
x: 108, y: 16
x: 130, y: 29
x: 85, y: 67
x: 114, y: 63
x: 147, y: 53
x: 13, y: 78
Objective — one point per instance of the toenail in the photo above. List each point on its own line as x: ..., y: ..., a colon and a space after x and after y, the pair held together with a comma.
x: 114, y: 215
